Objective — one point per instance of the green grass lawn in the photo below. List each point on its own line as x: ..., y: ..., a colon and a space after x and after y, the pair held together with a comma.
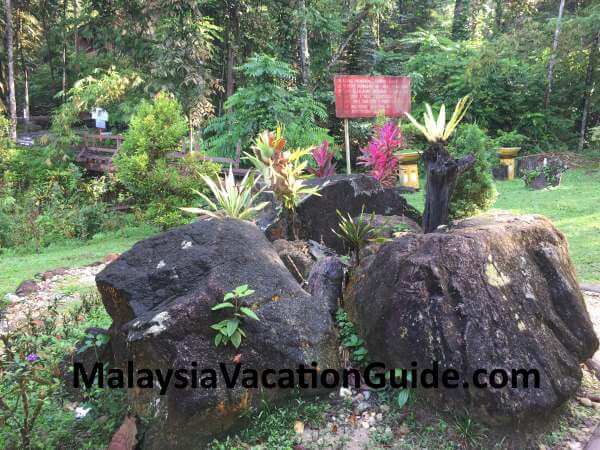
x: 574, y: 207
x: 15, y: 267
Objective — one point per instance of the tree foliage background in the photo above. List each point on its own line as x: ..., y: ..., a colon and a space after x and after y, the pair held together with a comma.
x: 497, y: 51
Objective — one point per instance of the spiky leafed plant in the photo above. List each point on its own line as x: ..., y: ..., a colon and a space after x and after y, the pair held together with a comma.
x: 284, y: 171
x: 231, y: 199
x: 355, y: 233
x: 268, y: 152
x: 437, y: 130
x: 323, y: 156
x: 442, y: 169
x: 379, y: 155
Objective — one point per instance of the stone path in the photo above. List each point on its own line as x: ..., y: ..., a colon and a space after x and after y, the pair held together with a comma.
x: 58, y: 286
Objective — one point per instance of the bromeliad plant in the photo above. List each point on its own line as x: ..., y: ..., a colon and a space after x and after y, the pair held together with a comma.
x: 229, y: 331
x: 283, y: 170
x: 356, y: 233
x: 323, y: 156
x: 231, y: 199
x: 379, y: 156
x: 437, y: 130
x: 442, y: 169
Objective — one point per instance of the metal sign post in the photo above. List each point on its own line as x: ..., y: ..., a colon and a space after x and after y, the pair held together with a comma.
x: 347, y: 142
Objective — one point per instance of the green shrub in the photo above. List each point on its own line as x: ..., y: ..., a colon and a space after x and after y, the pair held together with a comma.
x: 32, y: 390
x: 160, y: 185
x: 508, y: 139
x: 32, y: 220
x: 475, y: 191
x: 156, y: 128
x: 42, y: 168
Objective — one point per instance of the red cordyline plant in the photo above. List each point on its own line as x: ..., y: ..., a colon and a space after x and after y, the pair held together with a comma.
x: 379, y: 156
x: 324, y: 159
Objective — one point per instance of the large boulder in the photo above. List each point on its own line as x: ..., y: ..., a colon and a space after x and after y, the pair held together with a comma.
x: 316, y: 214
x: 160, y: 294
x: 491, y: 292
x: 296, y: 257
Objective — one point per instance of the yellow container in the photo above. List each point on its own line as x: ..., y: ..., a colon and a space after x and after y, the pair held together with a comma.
x: 409, y: 170
x: 507, y: 157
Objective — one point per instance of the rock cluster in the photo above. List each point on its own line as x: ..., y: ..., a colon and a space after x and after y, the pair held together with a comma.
x: 491, y: 292
x: 317, y: 214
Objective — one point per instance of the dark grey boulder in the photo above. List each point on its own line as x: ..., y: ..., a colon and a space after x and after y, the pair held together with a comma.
x: 388, y: 226
x: 160, y: 294
x: 296, y: 256
x: 491, y: 292
x: 325, y: 281
x: 316, y: 214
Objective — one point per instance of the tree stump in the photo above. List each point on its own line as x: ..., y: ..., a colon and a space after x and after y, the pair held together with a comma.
x: 442, y: 172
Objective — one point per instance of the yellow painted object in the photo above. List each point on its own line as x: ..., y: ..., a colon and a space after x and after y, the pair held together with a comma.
x: 507, y: 157
x: 409, y: 170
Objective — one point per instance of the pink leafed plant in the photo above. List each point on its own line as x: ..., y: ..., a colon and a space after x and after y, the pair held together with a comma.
x: 324, y: 159
x: 378, y: 156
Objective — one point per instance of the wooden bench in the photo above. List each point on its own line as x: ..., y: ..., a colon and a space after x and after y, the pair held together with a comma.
x: 96, y: 156
x: 226, y: 163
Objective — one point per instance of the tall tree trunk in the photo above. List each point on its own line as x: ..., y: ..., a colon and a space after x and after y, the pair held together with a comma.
x: 191, y: 126
x: 64, y: 52
x: 303, y: 45
x: 18, y: 39
x: 26, y: 112
x: 552, y: 62
x: 77, y: 67
x: 12, y: 101
x: 499, y: 17
x: 232, y: 46
x: 442, y: 172
x: 589, y: 88
x: 75, y: 28
x: 460, y: 29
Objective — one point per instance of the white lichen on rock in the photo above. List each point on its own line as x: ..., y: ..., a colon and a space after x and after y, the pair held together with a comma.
x: 158, y: 322
x: 494, y: 276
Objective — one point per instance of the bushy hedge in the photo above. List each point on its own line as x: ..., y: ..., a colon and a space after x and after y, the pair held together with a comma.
x: 44, y: 199
x: 159, y: 183
x: 475, y: 191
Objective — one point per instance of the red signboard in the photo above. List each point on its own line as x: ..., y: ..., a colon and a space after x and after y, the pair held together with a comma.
x: 358, y: 96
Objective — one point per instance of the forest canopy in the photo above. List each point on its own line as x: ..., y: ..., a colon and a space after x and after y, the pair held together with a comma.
x: 530, y: 66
